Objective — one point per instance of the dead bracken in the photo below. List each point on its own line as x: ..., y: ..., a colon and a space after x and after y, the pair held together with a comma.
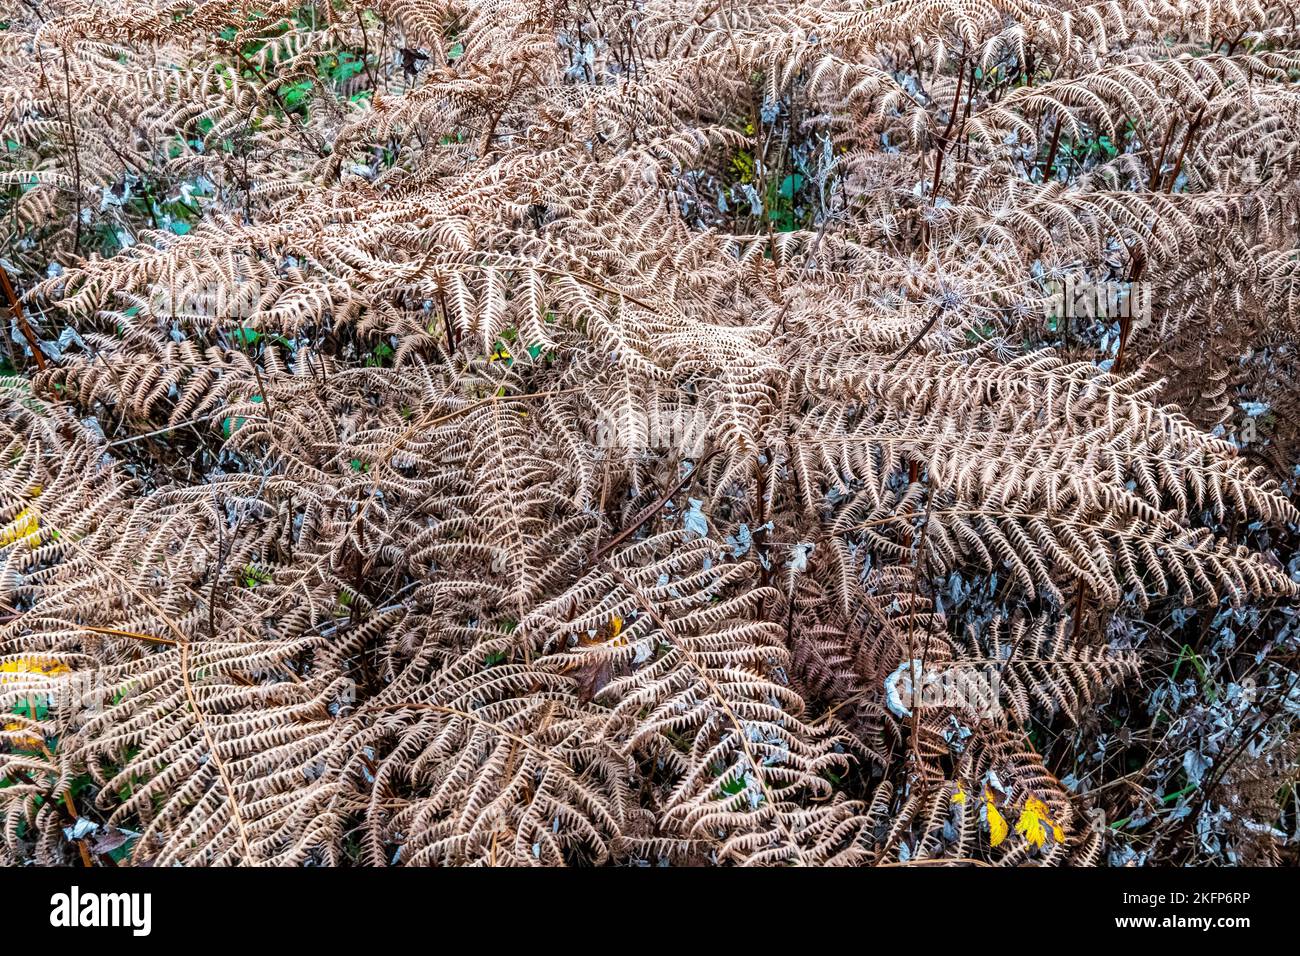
x: 649, y: 433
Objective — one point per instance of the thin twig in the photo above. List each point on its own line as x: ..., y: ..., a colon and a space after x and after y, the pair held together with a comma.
x: 650, y: 511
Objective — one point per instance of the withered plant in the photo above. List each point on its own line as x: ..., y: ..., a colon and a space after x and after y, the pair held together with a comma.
x: 496, y: 432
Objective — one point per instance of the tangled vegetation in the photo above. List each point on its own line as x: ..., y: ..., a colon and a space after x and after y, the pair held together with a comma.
x: 649, y: 432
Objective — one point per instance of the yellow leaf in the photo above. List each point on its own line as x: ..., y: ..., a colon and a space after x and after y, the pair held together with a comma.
x: 613, y: 631
x: 30, y: 665
x: 1034, y: 822
x: 25, y: 742
x: 34, y: 665
x: 1032, y: 827
x: 997, y: 822
x: 26, y: 524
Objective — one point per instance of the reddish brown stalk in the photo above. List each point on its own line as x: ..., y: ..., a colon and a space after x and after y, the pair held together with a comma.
x: 1126, y: 322
x: 1160, y: 160
x: 16, y: 307
x: 1182, y: 153
x: 943, y: 140
x: 1051, y: 150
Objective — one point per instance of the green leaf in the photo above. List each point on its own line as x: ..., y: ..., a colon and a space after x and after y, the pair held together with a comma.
x: 743, y: 166
x: 253, y: 576
x: 342, y: 67
x: 295, y: 94
x: 120, y: 853
x: 733, y: 786
x: 790, y: 185
x: 22, y: 709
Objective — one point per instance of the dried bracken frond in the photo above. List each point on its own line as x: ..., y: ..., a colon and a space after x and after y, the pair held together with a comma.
x: 502, y: 433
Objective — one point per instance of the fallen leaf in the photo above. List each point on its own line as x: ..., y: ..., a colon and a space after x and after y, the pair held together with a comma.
x: 1035, y: 820
x: 997, y: 822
